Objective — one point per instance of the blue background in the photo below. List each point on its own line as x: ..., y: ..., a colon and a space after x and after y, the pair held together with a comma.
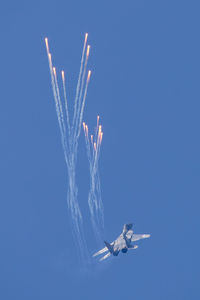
x: 145, y: 86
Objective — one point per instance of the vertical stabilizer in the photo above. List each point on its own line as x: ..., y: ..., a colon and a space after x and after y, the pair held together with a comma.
x: 127, y: 227
x: 109, y: 246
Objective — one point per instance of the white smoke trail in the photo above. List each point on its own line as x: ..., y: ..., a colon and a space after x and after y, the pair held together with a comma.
x: 78, y: 120
x: 66, y: 105
x: 70, y: 140
x: 59, y: 101
x: 94, y: 198
x: 83, y: 105
x: 79, y: 80
x: 56, y: 102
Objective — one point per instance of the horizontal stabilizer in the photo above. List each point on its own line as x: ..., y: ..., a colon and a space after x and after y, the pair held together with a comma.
x: 101, y: 251
x: 133, y: 247
x: 105, y: 256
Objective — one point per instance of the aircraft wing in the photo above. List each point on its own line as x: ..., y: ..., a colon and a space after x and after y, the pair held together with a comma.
x: 137, y: 237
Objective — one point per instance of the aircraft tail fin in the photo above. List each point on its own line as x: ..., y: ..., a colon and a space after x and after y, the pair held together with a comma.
x: 109, y: 246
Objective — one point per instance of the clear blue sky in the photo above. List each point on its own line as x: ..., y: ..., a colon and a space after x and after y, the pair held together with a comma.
x: 145, y: 86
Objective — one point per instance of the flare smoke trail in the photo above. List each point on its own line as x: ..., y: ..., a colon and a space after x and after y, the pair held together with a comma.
x: 70, y: 132
x: 93, y: 145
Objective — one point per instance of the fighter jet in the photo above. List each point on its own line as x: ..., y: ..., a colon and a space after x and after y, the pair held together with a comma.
x: 122, y: 243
